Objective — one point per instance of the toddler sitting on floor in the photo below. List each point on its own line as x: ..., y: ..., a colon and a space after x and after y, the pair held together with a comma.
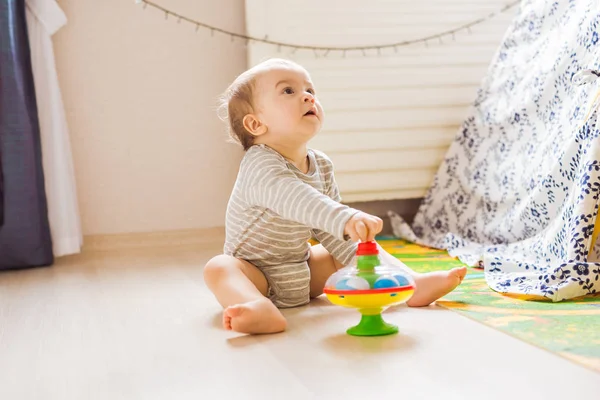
x: 285, y: 194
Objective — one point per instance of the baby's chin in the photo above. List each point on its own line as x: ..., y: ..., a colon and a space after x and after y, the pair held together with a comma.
x: 311, y: 133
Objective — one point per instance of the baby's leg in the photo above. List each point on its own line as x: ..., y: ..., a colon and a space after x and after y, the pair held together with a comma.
x: 433, y: 285
x: 241, y: 288
x: 322, y: 265
x: 430, y: 286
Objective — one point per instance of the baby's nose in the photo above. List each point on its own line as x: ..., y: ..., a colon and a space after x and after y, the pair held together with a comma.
x: 309, y: 97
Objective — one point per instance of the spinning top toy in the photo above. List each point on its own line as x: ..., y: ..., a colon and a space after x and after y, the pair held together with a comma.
x: 370, y: 288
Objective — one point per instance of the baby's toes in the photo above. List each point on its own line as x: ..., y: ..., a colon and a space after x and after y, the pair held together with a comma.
x: 460, y: 272
x: 226, y: 321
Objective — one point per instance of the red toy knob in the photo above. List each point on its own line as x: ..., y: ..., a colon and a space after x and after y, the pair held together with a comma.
x: 367, y: 249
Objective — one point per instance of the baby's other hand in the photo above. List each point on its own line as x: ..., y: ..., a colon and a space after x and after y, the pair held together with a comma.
x: 363, y: 227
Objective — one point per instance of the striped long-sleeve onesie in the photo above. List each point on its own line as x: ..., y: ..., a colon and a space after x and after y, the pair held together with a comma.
x: 272, y: 212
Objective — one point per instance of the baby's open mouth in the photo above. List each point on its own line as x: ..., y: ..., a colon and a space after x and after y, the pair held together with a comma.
x: 310, y: 112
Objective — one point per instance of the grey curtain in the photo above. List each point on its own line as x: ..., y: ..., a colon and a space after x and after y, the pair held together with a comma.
x: 25, y: 239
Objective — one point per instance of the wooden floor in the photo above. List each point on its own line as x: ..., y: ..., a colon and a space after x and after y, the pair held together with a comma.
x: 139, y: 323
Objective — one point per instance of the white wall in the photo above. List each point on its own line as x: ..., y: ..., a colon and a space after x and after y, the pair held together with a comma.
x: 140, y: 93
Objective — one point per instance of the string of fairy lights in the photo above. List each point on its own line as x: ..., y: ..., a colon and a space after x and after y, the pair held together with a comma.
x: 324, y: 51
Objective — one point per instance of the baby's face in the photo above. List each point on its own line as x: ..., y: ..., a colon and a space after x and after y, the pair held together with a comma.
x: 287, y: 104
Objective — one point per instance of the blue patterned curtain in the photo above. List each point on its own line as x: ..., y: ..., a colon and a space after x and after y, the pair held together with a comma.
x: 518, y: 190
x: 24, y: 235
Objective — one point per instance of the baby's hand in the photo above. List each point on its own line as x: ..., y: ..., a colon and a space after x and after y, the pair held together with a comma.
x: 363, y: 227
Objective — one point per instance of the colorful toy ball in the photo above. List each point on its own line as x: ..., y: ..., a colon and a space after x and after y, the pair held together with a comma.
x: 354, y: 283
x: 402, y: 280
x: 385, y: 282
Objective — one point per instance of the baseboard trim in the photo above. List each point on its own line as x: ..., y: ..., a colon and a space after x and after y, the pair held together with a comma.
x: 216, y: 236
x: 125, y: 241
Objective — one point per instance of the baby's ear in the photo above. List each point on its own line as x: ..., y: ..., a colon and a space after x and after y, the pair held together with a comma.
x: 253, y: 125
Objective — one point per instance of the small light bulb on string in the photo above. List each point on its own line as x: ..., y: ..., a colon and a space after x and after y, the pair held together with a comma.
x: 325, y: 51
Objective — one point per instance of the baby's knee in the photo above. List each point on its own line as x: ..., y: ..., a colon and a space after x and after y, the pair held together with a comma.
x: 217, y: 267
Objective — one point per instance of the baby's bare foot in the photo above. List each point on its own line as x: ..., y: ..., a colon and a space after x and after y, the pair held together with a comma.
x: 258, y: 316
x: 433, y: 285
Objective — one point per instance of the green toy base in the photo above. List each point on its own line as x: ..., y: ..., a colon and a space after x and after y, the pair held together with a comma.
x: 372, y: 325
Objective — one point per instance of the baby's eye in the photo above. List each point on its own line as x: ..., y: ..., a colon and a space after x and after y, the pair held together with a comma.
x: 288, y: 90
x: 311, y: 91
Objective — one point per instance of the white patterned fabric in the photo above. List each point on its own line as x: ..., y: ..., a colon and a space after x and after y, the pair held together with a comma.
x: 518, y: 190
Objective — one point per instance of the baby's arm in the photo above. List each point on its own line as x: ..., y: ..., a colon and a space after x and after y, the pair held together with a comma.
x: 270, y: 184
x: 342, y: 250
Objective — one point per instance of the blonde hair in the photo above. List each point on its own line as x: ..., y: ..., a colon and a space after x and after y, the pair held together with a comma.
x: 238, y: 100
